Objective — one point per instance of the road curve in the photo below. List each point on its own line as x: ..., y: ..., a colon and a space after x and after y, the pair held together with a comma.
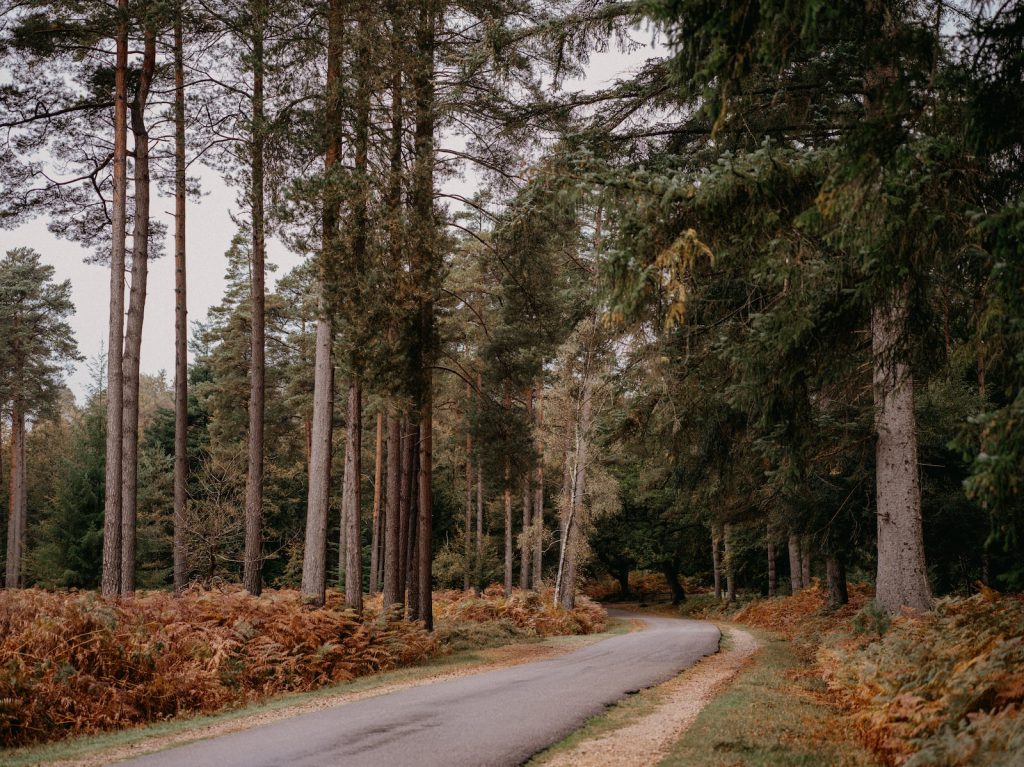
x: 495, y: 718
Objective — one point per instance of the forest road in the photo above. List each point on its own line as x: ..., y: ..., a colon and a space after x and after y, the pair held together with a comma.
x: 498, y: 717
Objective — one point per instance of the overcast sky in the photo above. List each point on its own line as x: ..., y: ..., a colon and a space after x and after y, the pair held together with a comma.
x: 209, y: 232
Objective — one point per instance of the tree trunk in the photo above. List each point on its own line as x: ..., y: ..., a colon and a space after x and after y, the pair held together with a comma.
x: 376, y: 526
x: 795, y: 567
x: 805, y: 560
x: 902, y: 579
x: 716, y: 559
x: 351, y: 497
x: 468, y: 533
x: 17, y: 510
x: 538, y: 495
x: 406, y: 509
x: 525, y: 550
x: 622, y: 576
x: 111, y: 578
x: 180, y: 311
x: 507, y: 499
x: 479, y: 526
x: 412, y: 575
x: 252, y: 577
x: 565, y: 587
x: 772, y: 577
x: 835, y: 575
x: 730, y: 575
x: 136, y: 314
x: 671, y: 572
x: 424, y: 531
x: 318, y: 498
x: 392, y: 516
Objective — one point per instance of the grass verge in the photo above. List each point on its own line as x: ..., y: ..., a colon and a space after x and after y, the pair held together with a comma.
x: 776, y: 714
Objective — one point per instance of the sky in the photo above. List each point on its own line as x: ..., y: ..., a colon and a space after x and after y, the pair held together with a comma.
x: 209, y: 230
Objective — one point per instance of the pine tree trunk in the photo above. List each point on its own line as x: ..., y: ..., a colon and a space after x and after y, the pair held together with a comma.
x: 392, y: 516
x: 351, y: 497
x: 136, y: 315
x: 730, y: 570
x: 716, y: 559
x: 773, y: 582
x: 468, y: 547
x: 805, y: 560
x: 538, y: 495
x: 795, y: 567
x: 525, y: 552
x: 17, y: 510
x: 902, y: 579
x: 424, y: 531
x: 318, y: 498
x: 479, y: 526
x: 252, y: 576
x: 835, y: 575
x: 412, y: 575
x: 507, y: 500
x: 671, y: 572
x: 111, y: 578
x: 565, y: 588
x: 406, y: 509
x: 180, y: 312
x: 376, y: 528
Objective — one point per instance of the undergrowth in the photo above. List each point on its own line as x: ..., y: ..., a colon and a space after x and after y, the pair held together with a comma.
x: 75, y: 663
x: 943, y: 689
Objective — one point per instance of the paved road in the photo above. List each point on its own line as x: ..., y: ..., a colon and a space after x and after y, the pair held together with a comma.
x: 499, y: 717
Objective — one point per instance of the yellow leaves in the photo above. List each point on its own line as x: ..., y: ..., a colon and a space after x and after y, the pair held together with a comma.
x: 675, y: 264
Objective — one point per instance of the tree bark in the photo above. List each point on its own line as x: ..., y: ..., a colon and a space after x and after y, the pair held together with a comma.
x: 424, y: 531
x: 902, y: 579
x: 375, y: 541
x: 351, y: 497
x: 406, y: 514
x: 468, y: 543
x: 318, y: 498
x: 136, y: 314
x: 671, y: 572
x: 716, y: 558
x: 730, y: 575
x: 17, y: 510
x: 772, y: 576
x: 479, y: 526
x: 392, y: 516
x: 538, y: 494
x: 111, y: 577
x: 565, y: 586
x: 525, y: 550
x: 180, y: 311
x: 507, y: 501
x: 412, y: 575
x: 252, y: 576
x: 835, y: 575
x: 795, y: 568
x: 622, y: 576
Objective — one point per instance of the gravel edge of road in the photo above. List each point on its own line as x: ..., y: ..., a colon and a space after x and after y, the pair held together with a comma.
x: 650, y: 738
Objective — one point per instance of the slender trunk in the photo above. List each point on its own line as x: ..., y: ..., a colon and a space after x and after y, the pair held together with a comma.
x: 479, y: 526
x: 468, y: 543
x: 716, y: 558
x: 321, y: 431
x: 538, y: 495
x: 835, y: 575
x: 671, y: 572
x: 805, y: 560
x: 378, y: 467
x: 180, y: 311
x: 412, y: 575
x: 772, y: 577
x: 507, y: 499
x: 392, y: 516
x: 17, y: 513
x: 795, y: 568
x: 424, y: 532
x: 318, y: 498
x: 730, y: 574
x: 409, y: 433
x: 565, y: 588
x: 252, y: 578
x: 136, y: 314
x: 111, y: 579
x: 525, y: 550
x: 351, y: 497
x: 902, y: 579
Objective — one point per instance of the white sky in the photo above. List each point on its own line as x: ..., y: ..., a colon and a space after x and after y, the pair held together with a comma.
x: 208, y: 233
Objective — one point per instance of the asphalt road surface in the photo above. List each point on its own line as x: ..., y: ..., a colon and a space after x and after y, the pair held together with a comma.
x: 495, y: 718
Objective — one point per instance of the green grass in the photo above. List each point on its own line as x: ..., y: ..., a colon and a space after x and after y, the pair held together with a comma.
x: 86, y: 745
x: 773, y: 715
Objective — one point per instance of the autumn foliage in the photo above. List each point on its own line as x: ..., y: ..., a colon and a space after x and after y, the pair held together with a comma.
x: 75, y: 663
x: 940, y: 689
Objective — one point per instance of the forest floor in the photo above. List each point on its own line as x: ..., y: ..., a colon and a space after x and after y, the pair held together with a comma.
x: 108, y: 748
